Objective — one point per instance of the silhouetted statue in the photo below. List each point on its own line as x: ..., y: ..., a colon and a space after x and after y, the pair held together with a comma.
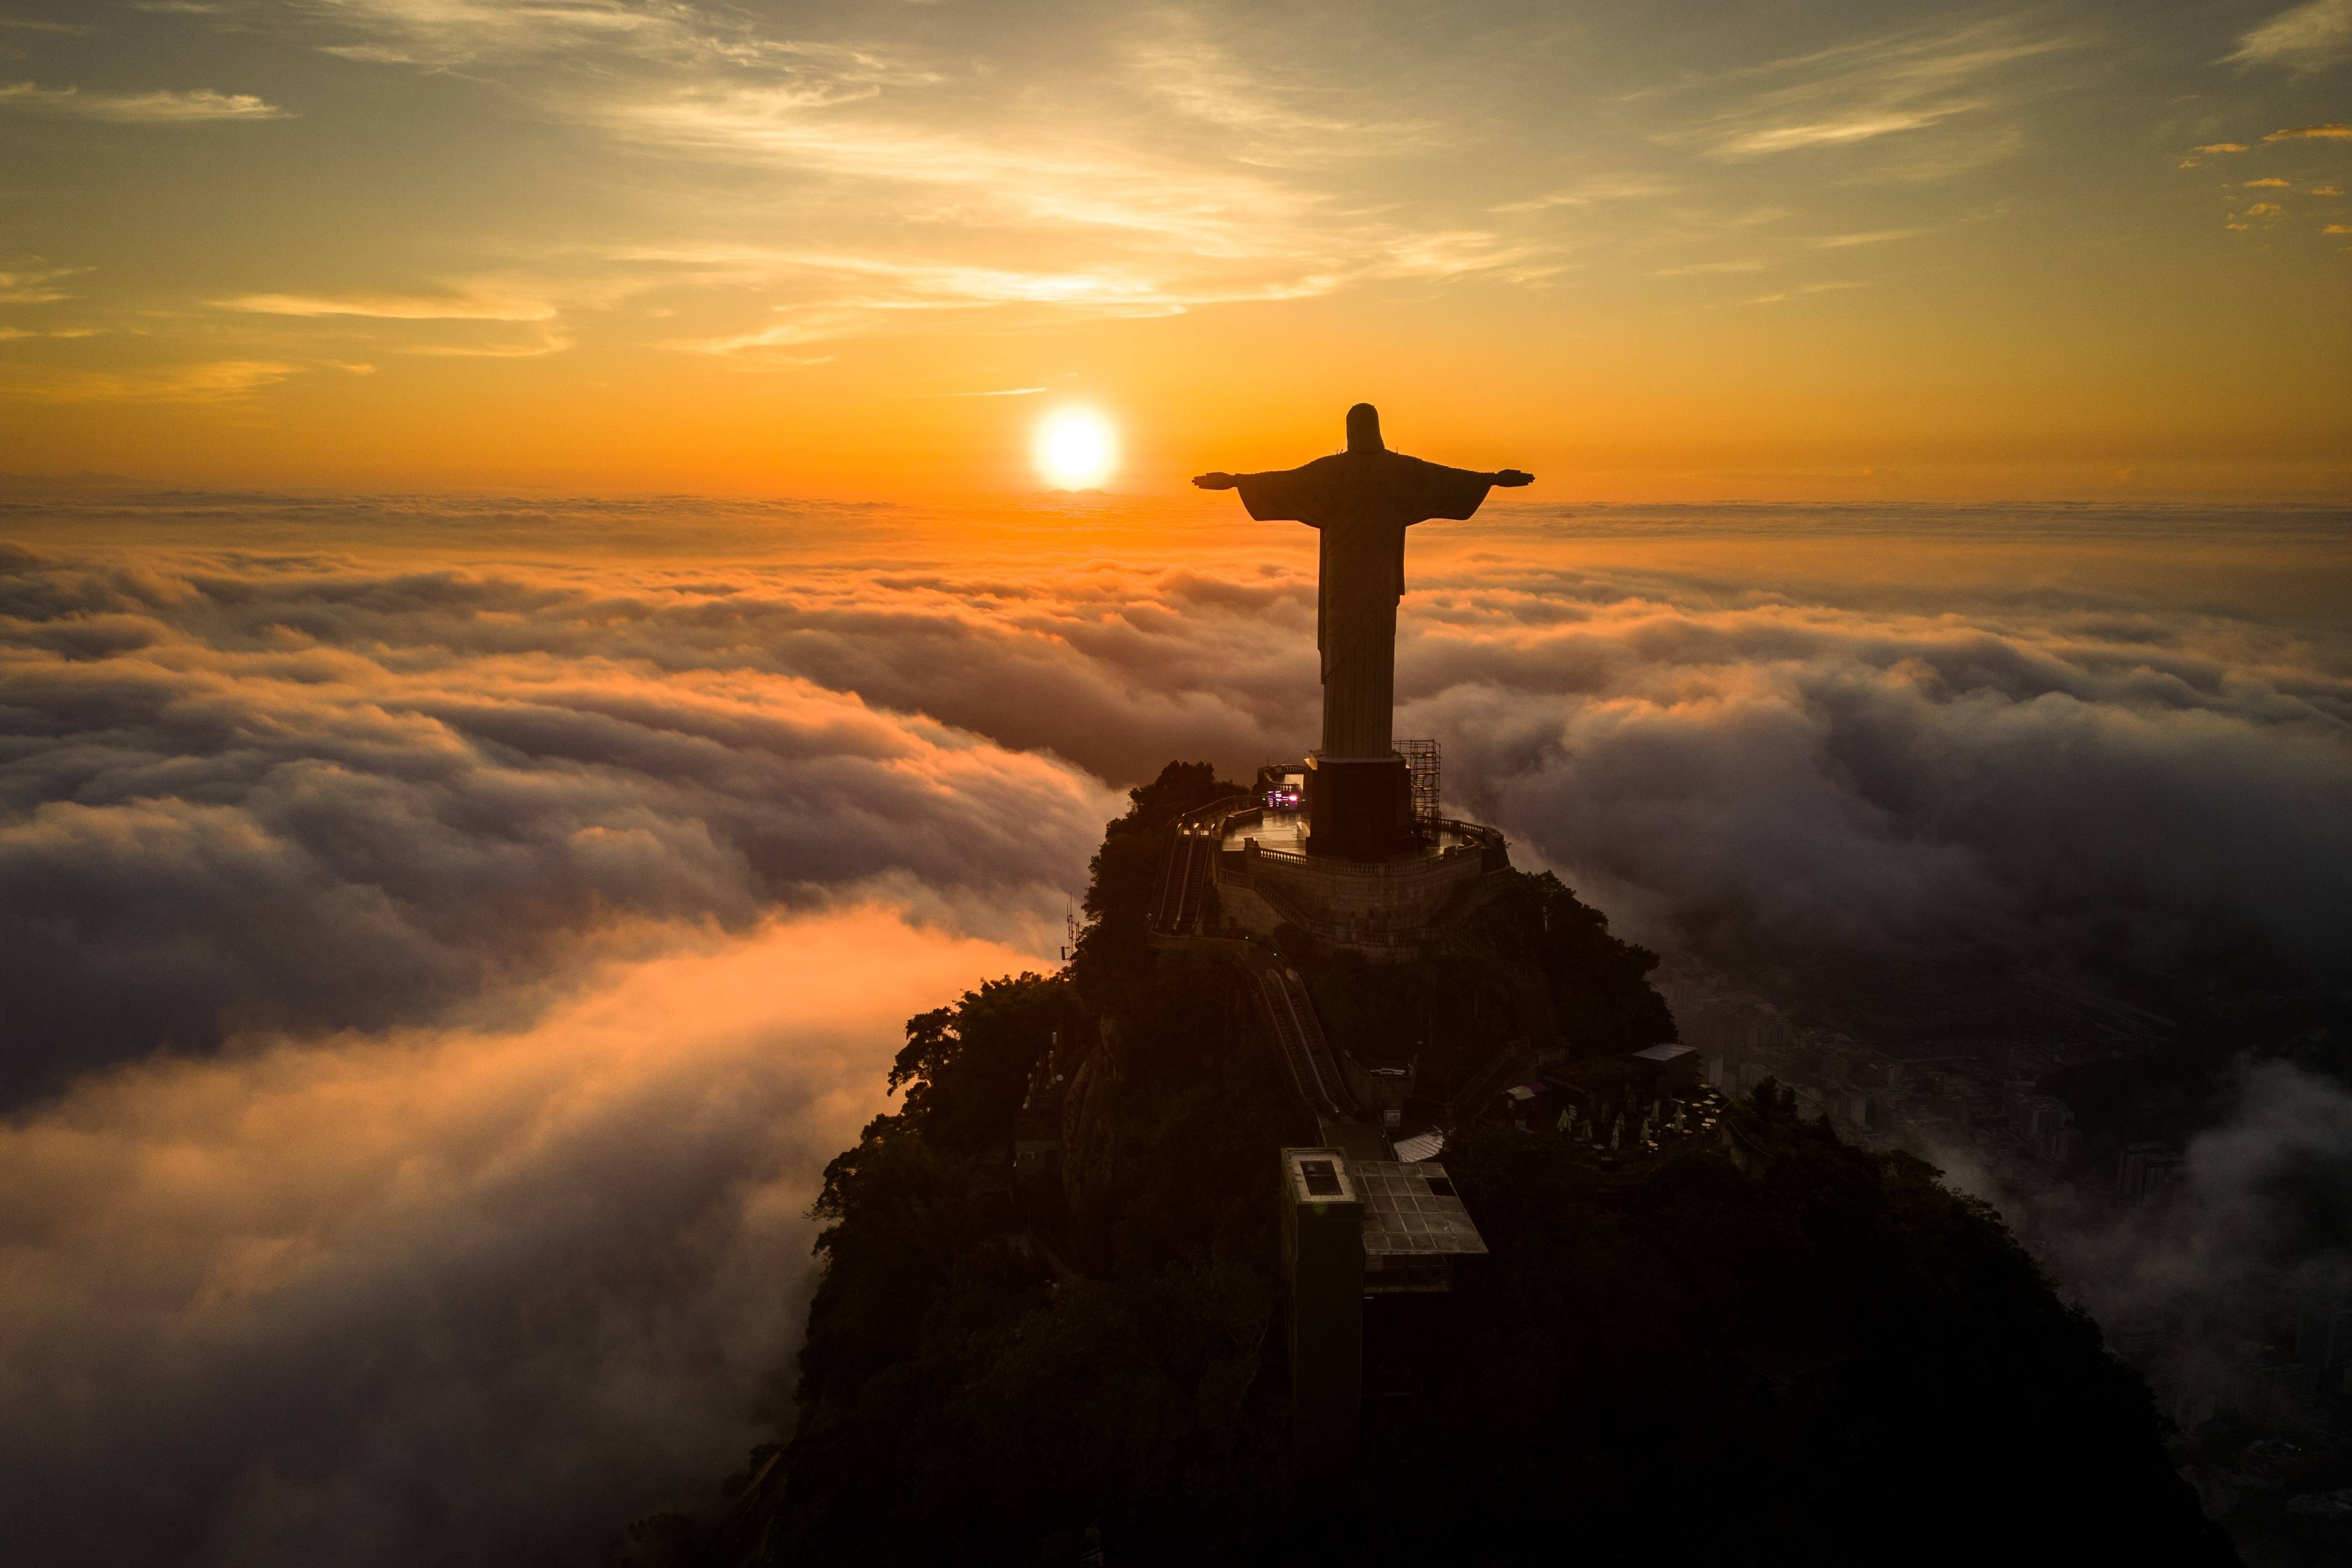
x: 1362, y: 501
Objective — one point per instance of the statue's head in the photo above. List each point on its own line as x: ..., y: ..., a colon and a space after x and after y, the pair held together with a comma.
x: 1364, y: 429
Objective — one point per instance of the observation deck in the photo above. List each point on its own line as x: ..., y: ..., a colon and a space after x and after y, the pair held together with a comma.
x: 1265, y: 880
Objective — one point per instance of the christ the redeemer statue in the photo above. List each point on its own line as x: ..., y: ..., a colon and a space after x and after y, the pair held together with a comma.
x: 1361, y: 500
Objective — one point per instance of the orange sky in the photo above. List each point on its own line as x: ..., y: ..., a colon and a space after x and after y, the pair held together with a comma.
x: 606, y: 245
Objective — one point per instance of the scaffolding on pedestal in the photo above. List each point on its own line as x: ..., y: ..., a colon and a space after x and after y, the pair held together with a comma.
x: 1420, y: 760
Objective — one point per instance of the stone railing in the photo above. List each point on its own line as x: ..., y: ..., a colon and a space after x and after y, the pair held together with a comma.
x: 1477, y: 840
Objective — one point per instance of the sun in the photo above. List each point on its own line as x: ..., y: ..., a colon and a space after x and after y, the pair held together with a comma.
x: 1075, y: 449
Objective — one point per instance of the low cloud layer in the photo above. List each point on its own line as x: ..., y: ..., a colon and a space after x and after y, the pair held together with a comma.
x: 464, y: 1297
x: 271, y: 793
x: 2250, y: 1251
x: 1764, y: 733
x: 445, y: 941
x: 1782, y: 773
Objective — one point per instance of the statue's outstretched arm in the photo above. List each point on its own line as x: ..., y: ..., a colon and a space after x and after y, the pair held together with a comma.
x: 1220, y: 480
x: 1509, y: 479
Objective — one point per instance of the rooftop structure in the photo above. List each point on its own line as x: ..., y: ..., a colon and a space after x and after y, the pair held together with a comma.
x: 1415, y: 1225
x: 1675, y: 1066
x: 1354, y: 1228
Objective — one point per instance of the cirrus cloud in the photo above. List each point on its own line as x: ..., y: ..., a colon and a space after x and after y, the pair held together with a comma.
x: 162, y: 107
x: 2310, y: 36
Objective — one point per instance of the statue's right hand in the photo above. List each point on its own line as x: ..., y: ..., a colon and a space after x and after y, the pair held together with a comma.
x: 1219, y: 482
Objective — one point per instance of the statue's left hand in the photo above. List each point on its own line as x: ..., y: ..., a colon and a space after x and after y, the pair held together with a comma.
x: 1511, y: 478
x: 1217, y: 481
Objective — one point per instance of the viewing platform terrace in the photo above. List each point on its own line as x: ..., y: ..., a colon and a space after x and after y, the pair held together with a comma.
x: 1265, y: 879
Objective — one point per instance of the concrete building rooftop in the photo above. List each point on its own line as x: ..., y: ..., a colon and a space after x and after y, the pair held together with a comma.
x: 1413, y: 1209
x: 1318, y: 1176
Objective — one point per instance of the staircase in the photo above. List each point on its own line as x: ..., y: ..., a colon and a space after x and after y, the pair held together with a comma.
x: 1304, y: 1050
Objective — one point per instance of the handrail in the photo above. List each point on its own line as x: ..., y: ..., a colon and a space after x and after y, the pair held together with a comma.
x: 1222, y: 804
x: 1293, y: 1036
x: 1319, y: 1049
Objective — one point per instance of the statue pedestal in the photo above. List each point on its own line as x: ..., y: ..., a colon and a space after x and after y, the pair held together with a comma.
x: 1358, y: 808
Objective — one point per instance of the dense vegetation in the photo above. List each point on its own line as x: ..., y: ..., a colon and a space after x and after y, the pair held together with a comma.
x: 1828, y: 1356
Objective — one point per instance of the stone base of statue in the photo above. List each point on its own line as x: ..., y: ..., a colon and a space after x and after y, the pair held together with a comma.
x: 1262, y: 874
x: 1358, y: 808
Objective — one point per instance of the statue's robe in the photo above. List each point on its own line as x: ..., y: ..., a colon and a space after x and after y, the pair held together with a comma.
x: 1361, y: 503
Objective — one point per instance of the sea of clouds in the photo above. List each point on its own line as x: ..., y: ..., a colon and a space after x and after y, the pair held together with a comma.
x: 442, y: 941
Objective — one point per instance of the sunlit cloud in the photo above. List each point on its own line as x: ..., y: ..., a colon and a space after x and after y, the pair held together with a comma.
x: 536, y: 347
x: 2336, y: 133
x: 1849, y: 128
x: 1277, y: 119
x: 2273, y: 182
x: 2307, y: 37
x: 1878, y: 88
x: 1083, y: 185
x: 159, y: 107
x: 220, y: 380
x: 487, y: 307
x: 394, y: 307
x: 1457, y: 253
x: 572, y: 1243
x: 860, y: 294
x: 1591, y: 195
x: 885, y: 176
x: 769, y: 345
x: 36, y: 286
x: 1878, y: 237
x: 1801, y: 290
x: 2198, y: 158
x: 448, y: 798
x: 838, y: 294
x: 444, y: 33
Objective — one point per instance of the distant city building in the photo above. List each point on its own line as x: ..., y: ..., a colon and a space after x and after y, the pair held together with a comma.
x: 2143, y: 1171
x: 2047, y: 1125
